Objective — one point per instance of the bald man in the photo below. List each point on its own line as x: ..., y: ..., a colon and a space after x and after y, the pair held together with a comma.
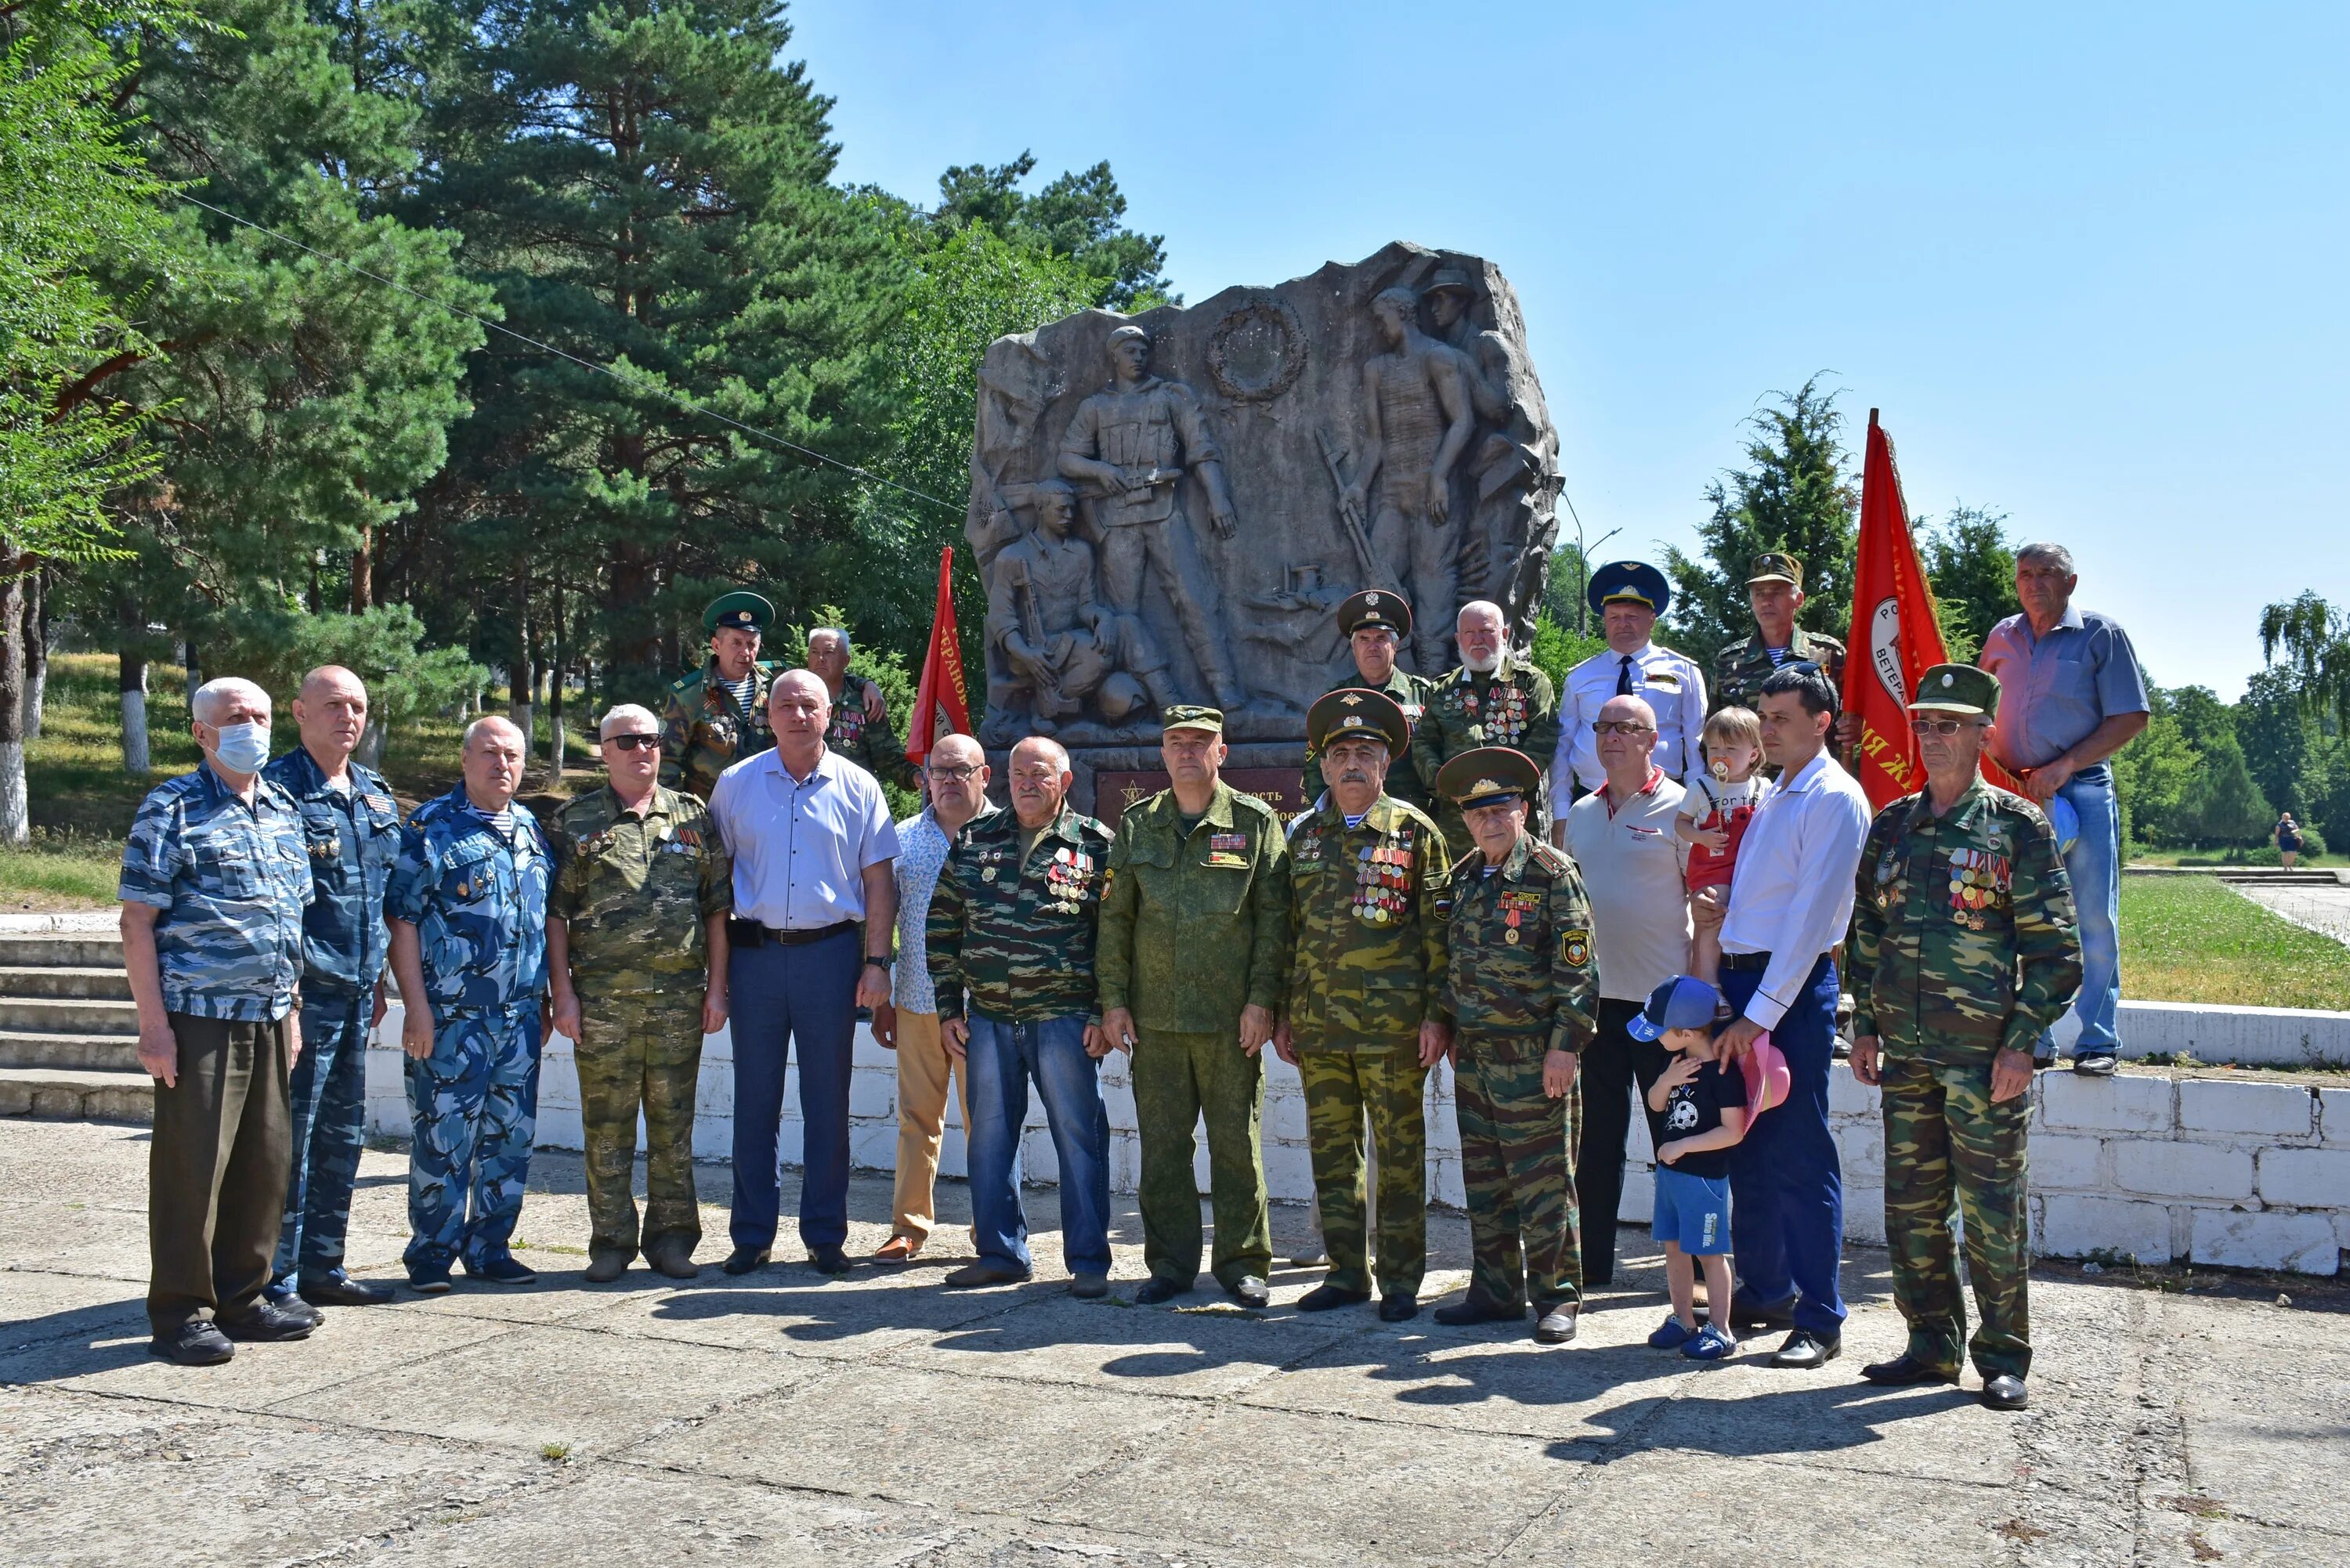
x: 214, y: 880
x: 350, y: 830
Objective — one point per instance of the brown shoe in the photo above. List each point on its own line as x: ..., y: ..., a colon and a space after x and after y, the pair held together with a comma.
x: 897, y: 1250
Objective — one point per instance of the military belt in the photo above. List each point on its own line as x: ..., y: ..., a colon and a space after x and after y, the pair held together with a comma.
x: 1746, y: 963
x: 741, y: 933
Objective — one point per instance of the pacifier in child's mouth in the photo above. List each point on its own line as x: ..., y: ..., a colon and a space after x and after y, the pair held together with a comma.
x: 1721, y: 770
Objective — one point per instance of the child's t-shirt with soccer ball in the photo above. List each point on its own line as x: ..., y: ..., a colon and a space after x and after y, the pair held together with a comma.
x: 1694, y: 1108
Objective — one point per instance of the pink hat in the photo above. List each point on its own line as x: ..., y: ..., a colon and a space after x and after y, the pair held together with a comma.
x: 1767, y: 1079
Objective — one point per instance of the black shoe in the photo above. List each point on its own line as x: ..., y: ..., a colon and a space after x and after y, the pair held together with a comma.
x: 1398, y: 1306
x: 428, y: 1279
x: 1322, y: 1298
x: 1090, y: 1287
x: 1556, y: 1326
x: 1805, y: 1351
x: 267, y: 1324
x: 1161, y: 1288
x: 1250, y: 1291
x: 1906, y: 1369
x: 606, y: 1266
x: 505, y: 1269
x: 1747, y: 1314
x: 742, y: 1259
x: 2099, y: 1066
x: 1477, y: 1309
x: 339, y: 1288
x: 2004, y: 1392
x: 195, y: 1343
x: 977, y: 1276
x: 828, y: 1258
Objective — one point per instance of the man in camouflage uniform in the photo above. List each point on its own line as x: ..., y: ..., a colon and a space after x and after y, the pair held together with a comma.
x: 717, y: 715
x: 1363, y: 1015
x: 1774, y: 588
x: 1193, y: 945
x: 1376, y: 625
x: 1521, y: 991
x: 1964, y: 948
x: 1493, y: 699
x: 1011, y: 939
x: 467, y: 906
x: 861, y: 729
x: 636, y: 953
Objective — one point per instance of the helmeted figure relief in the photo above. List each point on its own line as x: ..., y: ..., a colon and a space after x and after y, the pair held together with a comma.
x: 1417, y: 419
x: 1066, y: 654
x: 1133, y: 442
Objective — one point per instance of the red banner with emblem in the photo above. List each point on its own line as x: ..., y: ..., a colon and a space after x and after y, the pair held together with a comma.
x: 942, y: 700
x: 1894, y: 638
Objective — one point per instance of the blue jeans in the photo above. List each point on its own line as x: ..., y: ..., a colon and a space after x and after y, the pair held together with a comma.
x: 803, y: 995
x: 2095, y: 865
x: 1786, y: 1185
x: 1000, y: 1059
x: 328, y: 1095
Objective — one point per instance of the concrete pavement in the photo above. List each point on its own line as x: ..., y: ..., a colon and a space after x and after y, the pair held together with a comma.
x: 878, y: 1419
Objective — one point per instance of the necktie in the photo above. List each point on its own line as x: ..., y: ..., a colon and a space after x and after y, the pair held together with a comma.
x: 1624, y: 678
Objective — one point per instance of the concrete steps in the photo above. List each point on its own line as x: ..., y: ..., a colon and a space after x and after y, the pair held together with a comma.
x: 68, y: 1032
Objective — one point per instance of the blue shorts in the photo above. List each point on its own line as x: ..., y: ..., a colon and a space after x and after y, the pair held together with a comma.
x: 1693, y: 1212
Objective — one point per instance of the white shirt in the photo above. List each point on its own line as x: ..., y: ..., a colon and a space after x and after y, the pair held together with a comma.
x: 1632, y: 864
x: 1668, y: 682
x: 801, y: 849
x: 1791, y: 895
x: 922, y: 846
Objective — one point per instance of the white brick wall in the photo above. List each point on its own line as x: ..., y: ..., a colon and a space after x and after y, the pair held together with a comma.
x: 2231, y: 1173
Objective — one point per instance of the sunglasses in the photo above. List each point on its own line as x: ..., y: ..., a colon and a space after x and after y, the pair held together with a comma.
x: 633, y: 742
x: 1939, y: 726
x: 1618, y: 727
x: 952, y: 775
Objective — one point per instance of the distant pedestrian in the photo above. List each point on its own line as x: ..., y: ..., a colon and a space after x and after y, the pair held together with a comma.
x: 2071, y: 696
x: 216, y: 876
x: 2288, y: 841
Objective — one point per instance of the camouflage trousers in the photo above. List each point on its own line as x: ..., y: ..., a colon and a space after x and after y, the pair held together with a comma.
x: 328, y: 1105
x: 640, y: 1052
x: 1945, y: 1143
x: 1176, y: 1078
x: 1515, y: 1170
x: 1341, y: 1086
x: 475, y: 1105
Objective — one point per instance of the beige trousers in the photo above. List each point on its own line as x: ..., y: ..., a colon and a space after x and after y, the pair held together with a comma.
x: 923, y: 1071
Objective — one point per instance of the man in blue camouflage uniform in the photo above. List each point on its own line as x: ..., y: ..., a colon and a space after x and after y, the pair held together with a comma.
x: 214, y: 879
x: 467, y: 907
x: 350, y: 829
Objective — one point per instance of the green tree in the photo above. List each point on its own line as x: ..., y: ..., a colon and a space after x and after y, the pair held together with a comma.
x: 2314, y: 638
x: 1559, y: 647
x: 2223, y: 804
x: 1972, y: 567
x: 1079, y: 216
x: 2280, y: 739
x: 1793, y: 494
x: 2150, y: 778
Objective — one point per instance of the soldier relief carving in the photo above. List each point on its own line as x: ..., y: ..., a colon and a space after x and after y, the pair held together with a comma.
x: 1168, y: 508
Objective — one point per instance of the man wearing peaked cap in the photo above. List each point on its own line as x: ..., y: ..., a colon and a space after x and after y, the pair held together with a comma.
x: 1353, y: 711
x: 1521, y: 984
x: 1964, y: 947
x: 717, y: 715
x: 1627, y: 596
x: 1377, y: 624
x: 1774, y: 590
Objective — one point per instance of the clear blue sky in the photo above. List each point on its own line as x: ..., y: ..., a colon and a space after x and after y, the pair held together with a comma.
x: 2089, y: 260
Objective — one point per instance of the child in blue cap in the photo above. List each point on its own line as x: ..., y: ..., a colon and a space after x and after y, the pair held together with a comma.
x: 1704, y: 1111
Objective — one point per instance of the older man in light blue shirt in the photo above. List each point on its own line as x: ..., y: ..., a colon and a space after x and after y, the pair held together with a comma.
x: 812, y: 843
x: 2071, y: 695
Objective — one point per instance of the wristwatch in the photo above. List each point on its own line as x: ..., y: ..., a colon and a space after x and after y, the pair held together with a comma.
x: 881, y: 963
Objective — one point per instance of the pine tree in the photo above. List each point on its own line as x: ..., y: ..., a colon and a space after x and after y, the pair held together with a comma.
x: 1971, y: 567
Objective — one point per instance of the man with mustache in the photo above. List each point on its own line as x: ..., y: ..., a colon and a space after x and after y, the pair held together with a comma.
x: 1494, y: 699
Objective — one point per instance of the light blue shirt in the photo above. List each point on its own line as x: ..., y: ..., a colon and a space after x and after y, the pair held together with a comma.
x: 922, y: 847
x: 2055, y: 691
x: 800, y: 847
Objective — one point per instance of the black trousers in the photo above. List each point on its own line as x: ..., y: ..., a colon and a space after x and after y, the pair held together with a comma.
x: 1616, y: 1068
x: 216, y: 1169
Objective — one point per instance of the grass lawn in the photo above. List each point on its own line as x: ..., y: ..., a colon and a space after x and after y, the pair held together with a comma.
x: 2190, y: 939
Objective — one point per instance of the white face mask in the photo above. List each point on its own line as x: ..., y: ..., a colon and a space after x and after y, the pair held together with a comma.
x: 241, y: 748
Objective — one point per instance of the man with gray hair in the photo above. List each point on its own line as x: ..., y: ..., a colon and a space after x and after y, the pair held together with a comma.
x: 214, y: 879
x: 635, y: 954
x: 2071, y: 694
x: 861, y: 729
x: 1495, y: 698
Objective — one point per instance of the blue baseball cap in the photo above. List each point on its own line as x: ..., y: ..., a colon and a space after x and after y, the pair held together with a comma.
x: 1683, y: 1002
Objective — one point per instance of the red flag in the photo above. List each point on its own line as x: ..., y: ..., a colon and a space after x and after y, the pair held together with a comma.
x: 1894, y: 638
x: 942, y: 700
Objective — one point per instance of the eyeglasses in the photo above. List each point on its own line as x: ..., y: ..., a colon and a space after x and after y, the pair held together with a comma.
x: 1939, y: 726
x: 633, y: 742
x: 1621, y: 727
x: 952, y: 775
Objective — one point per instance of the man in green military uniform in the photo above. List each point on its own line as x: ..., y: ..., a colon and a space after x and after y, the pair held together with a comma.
x: 636, y: 948
x: 1193, y: 949
x: 861, y: 729
x: 1363, y: 1014
x: 717, y: 715
x: 1774, y: 590
x: 1493, y: 699
x: 1377, y: 624
x: 1964, y: 947
x: 1522, y: 993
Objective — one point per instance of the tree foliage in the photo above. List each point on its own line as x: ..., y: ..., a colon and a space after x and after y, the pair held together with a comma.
x: 1079, y: 216
x: 1971, y: 567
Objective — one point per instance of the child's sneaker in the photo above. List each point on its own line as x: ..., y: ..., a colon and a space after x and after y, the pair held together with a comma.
x: 1672, y: 1334
x: 1709, y: 1344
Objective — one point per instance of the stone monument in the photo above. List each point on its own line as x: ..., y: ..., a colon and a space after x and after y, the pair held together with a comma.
x: 1169, y: 507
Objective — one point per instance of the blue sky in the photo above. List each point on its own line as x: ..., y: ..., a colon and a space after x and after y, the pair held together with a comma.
x: 2088, y: 260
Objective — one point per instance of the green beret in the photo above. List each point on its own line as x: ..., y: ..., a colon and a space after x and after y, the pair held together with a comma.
x: 1957, y: 688
x: 1488, y: 776
x: 1375, y: 606
x: 1356, y: 711
x: 742, y: 611
x: 1192, y: 716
